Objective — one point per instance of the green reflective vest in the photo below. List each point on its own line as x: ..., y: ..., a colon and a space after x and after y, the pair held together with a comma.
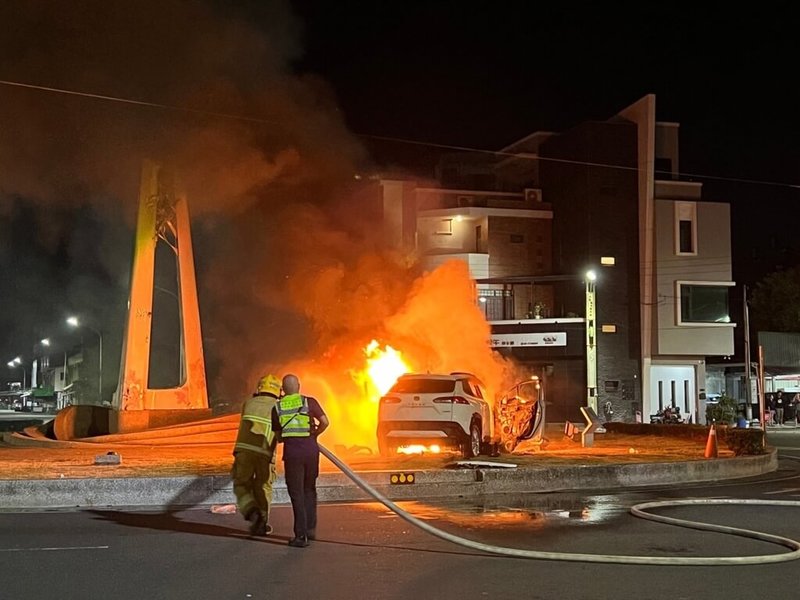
x: 293, y: 416
x: 255, y: 428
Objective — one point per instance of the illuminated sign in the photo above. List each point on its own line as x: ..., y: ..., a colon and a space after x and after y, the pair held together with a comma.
x: 512, y: 340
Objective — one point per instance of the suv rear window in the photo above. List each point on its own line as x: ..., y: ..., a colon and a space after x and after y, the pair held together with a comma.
x: 423, y: 386
x: 472, y: 388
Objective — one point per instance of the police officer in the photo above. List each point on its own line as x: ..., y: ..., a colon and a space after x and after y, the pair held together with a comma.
x: 298, y: 420
x: 253, y: 470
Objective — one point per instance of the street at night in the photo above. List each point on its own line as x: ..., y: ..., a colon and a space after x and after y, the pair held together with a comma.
x: 364, y: 551
x: 531, y: 271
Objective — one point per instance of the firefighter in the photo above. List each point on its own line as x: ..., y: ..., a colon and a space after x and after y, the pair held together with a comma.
x: 298, y: 420
x: 253, y: 470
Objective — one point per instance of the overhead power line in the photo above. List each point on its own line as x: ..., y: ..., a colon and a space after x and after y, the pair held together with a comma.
x: 441, y: 146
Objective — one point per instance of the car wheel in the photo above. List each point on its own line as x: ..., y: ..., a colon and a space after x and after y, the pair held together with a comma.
x: 472, y: 447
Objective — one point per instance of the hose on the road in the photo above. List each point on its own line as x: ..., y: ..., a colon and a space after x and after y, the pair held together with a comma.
x: 639, y: 510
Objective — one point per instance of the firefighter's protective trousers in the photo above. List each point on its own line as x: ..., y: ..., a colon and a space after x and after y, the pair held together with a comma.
x: 253, y: 475
x: 253, y: 471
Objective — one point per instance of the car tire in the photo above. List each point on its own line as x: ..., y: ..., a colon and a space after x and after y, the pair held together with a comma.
x: 472, y: 446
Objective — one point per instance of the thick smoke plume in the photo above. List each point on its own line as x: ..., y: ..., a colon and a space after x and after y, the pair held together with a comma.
x: 67, y: 160
x: 293, y: 271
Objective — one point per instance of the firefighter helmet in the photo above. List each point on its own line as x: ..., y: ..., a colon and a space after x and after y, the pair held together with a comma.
x: 269, y: 384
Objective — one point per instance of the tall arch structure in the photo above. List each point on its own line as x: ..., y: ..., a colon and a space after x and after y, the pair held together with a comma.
x: 163, y: 221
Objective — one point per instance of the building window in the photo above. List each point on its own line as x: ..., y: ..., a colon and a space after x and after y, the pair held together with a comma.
x: 686, y: 228
x: 685, y: 245
x: 704, y: 303
x: 663, y: 166
x: 444, y: 227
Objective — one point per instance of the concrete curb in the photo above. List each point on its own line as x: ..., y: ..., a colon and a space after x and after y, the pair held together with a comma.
x: 166, y: 492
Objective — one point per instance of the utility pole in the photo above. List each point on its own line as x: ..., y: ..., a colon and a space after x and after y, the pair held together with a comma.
x: 591, y: 339
x: 761, y: 406
x: 747, y: 365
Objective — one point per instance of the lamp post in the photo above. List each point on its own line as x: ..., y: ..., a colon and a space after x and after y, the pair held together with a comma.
x: 591, y: 342
x: 17, y: 362
x: 38, y: 365
x: 74, y: 322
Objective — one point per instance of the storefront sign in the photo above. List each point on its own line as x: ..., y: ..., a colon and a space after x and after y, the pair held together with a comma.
x: 512, y: 340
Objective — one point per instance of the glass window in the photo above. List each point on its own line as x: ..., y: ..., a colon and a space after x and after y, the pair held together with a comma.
x: 704, y: 304
x: 685, y: 236
x: 423, y: 386
x: 686, y: 228
x: 472, y: 388
x: 444, y: 227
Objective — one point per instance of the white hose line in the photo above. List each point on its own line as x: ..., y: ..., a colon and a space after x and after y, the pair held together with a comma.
x: 637, y: 510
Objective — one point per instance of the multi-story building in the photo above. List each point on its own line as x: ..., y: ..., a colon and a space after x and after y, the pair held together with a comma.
x: 663, y: 256
x: 607, y: 196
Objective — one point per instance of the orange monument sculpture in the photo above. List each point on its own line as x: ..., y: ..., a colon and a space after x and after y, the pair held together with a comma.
x: 163, y: 219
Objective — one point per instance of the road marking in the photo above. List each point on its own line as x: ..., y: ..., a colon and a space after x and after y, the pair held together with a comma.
x: 783, y: 491
x: 54, y: 549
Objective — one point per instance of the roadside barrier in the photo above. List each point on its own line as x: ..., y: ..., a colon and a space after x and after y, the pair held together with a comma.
x: 711, y: 443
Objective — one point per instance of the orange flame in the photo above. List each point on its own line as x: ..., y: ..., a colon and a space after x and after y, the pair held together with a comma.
x: 384, y: 366
x: 419, y: 449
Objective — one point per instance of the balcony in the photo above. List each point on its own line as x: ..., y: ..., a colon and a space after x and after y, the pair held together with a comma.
x: 478, y: 263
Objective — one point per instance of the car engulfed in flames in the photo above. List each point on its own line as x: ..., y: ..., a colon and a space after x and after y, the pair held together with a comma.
x: 516, y: 416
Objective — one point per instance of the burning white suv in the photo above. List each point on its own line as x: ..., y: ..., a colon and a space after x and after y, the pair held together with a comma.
x: 435, y: 411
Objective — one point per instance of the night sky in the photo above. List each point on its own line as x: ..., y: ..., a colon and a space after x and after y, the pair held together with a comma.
x: 483, y: 74
x: 329, y: 78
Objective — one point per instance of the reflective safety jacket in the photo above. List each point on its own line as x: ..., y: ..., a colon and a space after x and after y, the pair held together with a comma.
x: 293, y: 416
x: 255, y: 428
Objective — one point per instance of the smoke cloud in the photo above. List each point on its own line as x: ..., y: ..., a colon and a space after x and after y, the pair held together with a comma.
x: 293, y: 270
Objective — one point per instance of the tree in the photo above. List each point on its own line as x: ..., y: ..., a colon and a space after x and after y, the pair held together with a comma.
x: 775, y: 303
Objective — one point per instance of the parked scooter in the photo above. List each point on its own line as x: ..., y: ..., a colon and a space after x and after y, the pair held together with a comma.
x: 667, y: 416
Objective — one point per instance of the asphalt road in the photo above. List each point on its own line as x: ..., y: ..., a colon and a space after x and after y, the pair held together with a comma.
x: 364, y: 552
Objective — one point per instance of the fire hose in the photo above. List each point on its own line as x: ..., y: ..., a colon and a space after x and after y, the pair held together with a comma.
x: 638, y: 510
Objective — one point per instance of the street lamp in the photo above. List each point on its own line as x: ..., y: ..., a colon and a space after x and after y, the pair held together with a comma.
x: 17, y: 362
x: 591, y: 342
x: 74, y: 322
x: 38, y: 364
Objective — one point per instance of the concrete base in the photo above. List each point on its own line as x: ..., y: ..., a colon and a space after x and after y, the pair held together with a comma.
x: 177, y: 492
x: 80, y: 421
x: 128, y: 421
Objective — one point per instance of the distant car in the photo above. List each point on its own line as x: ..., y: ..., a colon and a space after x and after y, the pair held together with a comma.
x: 449, y: 411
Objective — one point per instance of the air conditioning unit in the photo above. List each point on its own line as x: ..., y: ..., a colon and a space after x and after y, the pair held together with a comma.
x: 533, y: 195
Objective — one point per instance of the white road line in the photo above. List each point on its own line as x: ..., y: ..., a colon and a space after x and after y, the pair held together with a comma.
x: 54, y: 549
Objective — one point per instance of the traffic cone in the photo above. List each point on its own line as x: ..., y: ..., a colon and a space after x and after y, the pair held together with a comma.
x: 711, y: 444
